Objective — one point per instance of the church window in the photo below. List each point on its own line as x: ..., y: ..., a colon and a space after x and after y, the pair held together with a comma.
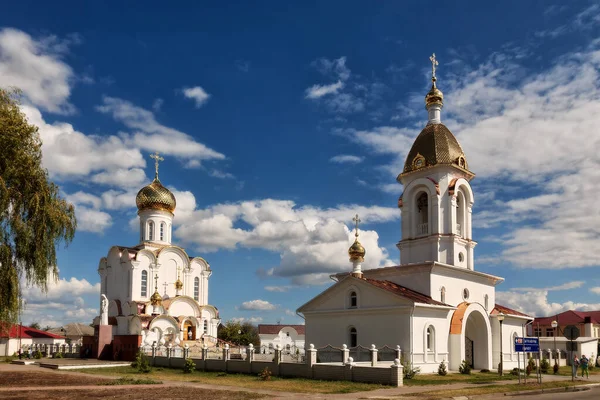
x: 144, y: 283
x: 353, y: 337
x: 151, y: 230
x: 485, y: 301
x: 197, y: 289
x: 461, y: 257
x: 430, y: 338
x: 443, y: 294
x: 353, y: 300
x: 162, y: 231
x: 206, y: 327
x: 460, y: 215
x: 423, y: 214
x: 465, y: 294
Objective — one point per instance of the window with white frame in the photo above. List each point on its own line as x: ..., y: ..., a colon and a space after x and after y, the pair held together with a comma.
x: 162, y: 231
x: 485, y: 301
x: 197, y: 289
x: 353, y: 300
x: 144, y: 291
x: 443, y: 294
x: 430, y: 339
x: 151, y: 230
x: 206, y: 326
x: 353, y: 337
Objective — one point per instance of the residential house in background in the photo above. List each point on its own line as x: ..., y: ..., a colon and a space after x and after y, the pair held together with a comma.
x: 73, y: 332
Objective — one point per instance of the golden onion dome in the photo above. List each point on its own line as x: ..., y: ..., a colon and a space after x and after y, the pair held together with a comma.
x: 155, y: 197
x: 156, y: 299
x: 435, y: 145
x: 434, y: 96
x: 356, y: 251
x: 178, y: 284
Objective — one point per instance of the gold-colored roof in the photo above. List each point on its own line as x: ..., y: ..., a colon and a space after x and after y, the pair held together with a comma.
x: 178, y: 284
x: 356, y: 251
x: 155, y: 299
x: 155, y: 197
x: 434, y: 96
x: 435, y: 145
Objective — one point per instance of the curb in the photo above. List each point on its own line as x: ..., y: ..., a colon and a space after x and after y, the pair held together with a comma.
x: 575, y: 388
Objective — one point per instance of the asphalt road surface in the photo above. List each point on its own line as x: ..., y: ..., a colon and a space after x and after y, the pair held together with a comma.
x: 593, y: 393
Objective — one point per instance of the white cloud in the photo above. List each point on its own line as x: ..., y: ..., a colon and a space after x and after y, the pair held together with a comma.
x: 215, y: 173
x: 346, y: 159
x: 157, y: 104
x: 257, y: 305
x: 278, y: 289
x: 595, y: 290
x: 318, y: 91
x: 123, y: 178
x: 564, y: 286
x: 197, y: 94
x: 535, y: 303
x: 335, y: 68
x: 252, y: 320
x: 35, y: 66
x: 312, y: 242
x: 150, y: 135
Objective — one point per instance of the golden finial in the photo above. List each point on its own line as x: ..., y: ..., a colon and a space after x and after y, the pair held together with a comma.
x: 435, y: 95
x: 356, y: 222
x: 157, y: 159
x: 156, y: 283
x: 178, y: 283
x: 434, y: 63
x: 155, y: 299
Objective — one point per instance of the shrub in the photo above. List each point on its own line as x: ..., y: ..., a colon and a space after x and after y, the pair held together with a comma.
x: 37, y: 355
x: 544, y: 366
x: 141, y: 363
x: 464, y: 368
x: 265, y: 374
x: 530, y: 366
x: 442, y: 370
x: 189, y: 366
x: 555, y: 368
x: 58, y: 355
x: 409, y: 370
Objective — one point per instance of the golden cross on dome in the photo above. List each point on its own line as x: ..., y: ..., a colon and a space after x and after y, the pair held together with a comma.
x: 178, y: 271
x: 356, y: 221
x: 156, y: 283
x: 434, y: 63
x: 157, y: 159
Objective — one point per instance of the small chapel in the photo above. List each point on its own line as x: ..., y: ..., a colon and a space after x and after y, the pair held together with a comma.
x: 435, y: 305
x: 154, y: 291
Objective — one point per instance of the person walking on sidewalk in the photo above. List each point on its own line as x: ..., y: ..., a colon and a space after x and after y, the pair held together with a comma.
x: 584, y: 366
x: 575, y: 365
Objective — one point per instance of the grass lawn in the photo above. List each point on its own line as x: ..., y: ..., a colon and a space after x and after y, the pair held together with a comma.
x: 297, y: 385
x: 474, y: 377
x: 487, y: 389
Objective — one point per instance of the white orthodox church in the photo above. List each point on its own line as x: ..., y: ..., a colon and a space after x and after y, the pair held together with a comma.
x: 434, y: 305
x: 155, y: 289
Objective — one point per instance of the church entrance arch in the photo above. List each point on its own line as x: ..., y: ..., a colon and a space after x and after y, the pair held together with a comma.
x: 189, y: 330
x: 470, y: 337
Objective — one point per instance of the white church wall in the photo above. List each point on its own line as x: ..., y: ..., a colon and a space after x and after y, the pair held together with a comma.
x: 417, y: 279
x: 455, y: 286
x: 428, y: 359
x: 183, y: 307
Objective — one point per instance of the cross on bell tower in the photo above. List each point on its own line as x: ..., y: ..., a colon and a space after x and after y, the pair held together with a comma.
x: 157, y: 158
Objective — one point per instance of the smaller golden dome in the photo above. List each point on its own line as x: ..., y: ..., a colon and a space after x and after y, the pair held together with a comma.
x: 178, y: 284
x: 356, y: 251
x: 435, y: 96
x: 155, y: 197
x: 156, y: 299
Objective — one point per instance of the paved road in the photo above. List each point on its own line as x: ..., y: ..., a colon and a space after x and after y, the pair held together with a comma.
x: 593, y: 393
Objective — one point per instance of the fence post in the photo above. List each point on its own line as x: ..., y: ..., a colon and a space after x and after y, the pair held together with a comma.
x: 277, y: 360
x: 204, y: 355
x: 250, y: 353
x: 398, y: 352
x: 348, y: 369
x: 226, y: 352
x: 373, y: 355
x: 186, y: 351
x: 397, y: 374
x: 345, y: 354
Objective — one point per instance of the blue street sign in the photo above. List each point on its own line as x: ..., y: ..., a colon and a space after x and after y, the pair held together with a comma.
x: 527, y: 344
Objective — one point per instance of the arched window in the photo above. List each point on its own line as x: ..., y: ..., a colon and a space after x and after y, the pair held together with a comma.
x: 353, y: 337
x: 423, y: 214
x: 162, y: 231
x: 430, y: 340
x: 144, y: 291
x: 461, y: 227
x: 206, y: 326
x: 197, y: 289
x: 443, y: 294
x: 353, y: 300
x: 485, y: 301
x: 151, y: 230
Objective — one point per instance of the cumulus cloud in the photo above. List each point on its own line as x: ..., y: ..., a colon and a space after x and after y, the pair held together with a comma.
x: 312, y: 242
x: 252, y: 320
x: 595, y: 290
x: 278, y: 289
x: 564, y: 286
x: 36, y: 67
x: 346, y: 159
x: 535, y: 303
x: 197, y: 94
x: 257, y: 305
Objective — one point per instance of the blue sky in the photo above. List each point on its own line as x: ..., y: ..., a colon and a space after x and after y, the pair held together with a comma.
x: 279, y: 121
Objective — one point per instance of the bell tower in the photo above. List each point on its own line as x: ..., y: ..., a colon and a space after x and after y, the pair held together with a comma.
x: 437, y: 200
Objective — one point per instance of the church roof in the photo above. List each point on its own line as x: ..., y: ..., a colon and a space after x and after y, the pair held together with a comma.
x: 265, y: 329
x: 399, y: 290
x: 505, y: 310
x: 435, y: 145
x: 155, y: 197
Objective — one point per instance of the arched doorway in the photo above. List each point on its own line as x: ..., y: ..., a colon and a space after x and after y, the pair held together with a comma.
x: 476, y: 341
x: 189, y: 330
